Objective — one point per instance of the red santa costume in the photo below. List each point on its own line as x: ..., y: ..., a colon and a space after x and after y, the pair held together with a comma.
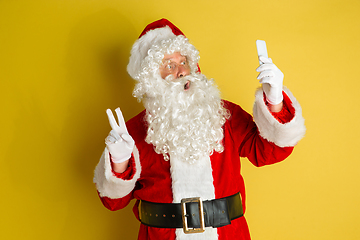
x: 265, y: 139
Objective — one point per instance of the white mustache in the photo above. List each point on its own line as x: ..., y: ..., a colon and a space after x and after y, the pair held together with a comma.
x: 179, y: 83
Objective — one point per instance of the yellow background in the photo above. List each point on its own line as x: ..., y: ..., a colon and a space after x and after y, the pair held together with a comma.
x: 62, y: 63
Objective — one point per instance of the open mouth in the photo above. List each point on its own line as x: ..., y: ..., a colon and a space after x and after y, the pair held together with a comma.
x: 187, y: 85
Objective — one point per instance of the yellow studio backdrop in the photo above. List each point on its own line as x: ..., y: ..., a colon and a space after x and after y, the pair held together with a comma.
x: 62, y: 63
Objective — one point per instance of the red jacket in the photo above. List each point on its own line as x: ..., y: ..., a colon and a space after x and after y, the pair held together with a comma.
x: 153, y: 180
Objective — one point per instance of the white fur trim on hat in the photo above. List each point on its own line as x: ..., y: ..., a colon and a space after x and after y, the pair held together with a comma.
x: 109, y: 185
x: 283, y: 135
x: 141, y: 47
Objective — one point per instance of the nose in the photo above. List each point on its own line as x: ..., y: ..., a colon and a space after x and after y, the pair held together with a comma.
x: 182, y: 72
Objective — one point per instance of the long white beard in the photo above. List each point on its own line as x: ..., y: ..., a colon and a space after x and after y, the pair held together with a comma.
x: 185, y: 124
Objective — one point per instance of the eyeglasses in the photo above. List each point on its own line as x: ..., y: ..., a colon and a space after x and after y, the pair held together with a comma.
x: 171, y: 67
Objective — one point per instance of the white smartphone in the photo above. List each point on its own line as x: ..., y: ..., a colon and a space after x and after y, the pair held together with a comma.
x: 261, y: 49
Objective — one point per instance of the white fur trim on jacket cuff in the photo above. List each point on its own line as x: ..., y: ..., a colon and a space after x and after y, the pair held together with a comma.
x: 283, y: 135
x: 111, y: 186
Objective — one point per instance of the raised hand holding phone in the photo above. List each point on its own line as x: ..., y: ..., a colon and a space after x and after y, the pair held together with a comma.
x: 270, y: 76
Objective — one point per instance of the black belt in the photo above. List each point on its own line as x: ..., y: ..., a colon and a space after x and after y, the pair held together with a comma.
x: 217, y: 213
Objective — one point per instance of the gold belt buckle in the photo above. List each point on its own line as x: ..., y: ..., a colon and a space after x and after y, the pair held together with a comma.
x: 184, y: 217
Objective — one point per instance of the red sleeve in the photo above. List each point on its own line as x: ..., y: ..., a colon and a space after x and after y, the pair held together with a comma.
x: 114, y: 204
x: 264, y: 152
x: 261, y: 152
x: 129, y: 172
x: 287, y: 113
x: 248, y: 141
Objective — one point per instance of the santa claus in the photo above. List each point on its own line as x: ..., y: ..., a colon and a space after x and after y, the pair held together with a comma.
x: 180, y: 157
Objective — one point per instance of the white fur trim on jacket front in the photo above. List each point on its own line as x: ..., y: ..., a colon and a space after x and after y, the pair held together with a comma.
x: 193, y: 180
x: 109, y: 185
x: 283, y: 135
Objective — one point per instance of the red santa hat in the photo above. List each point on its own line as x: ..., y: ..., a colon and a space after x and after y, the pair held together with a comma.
x: 153, y: 34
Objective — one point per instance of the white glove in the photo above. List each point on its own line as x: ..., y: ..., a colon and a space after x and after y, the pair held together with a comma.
x: 271, y: 79
x: 119, y: 142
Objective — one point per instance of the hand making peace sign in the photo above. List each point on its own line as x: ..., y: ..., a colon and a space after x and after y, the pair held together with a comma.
x: 119, y: 142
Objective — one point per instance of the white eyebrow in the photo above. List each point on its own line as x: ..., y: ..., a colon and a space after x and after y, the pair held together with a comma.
x: 170, y: 58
